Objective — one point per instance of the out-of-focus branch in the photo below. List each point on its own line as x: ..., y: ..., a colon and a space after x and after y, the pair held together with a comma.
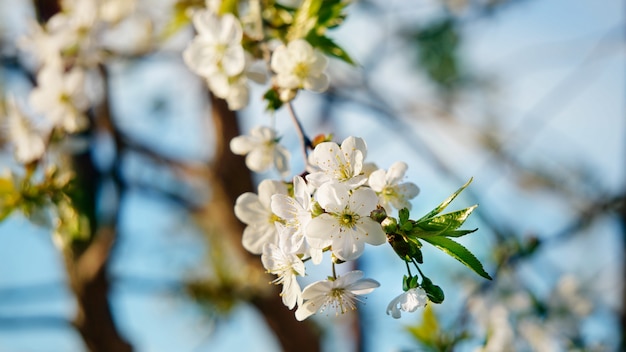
x: 88, y: 269
x: 230, y: 178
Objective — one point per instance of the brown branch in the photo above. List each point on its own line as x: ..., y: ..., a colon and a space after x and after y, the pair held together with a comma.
x: 232, y: 178
x: 87, y: 268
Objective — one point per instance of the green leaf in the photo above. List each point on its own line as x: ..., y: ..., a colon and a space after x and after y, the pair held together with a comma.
x: 304, y: 20
x: 458, y: 252
x: 443, y: 223
x: 331, y: 13
x: 228, y: 6
x: 273, y: 100
x: 178, y: 20
x: 445, y: 203
x: 428, y: 331
x: 329, y: 47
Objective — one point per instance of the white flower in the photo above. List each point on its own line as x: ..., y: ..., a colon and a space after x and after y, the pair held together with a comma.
x: 28, y: 142
x: 255, y: 211
x: 408, y: 301
x: 339, y: 294
x: 339, y: 164
x: 298, y: 65
x: 262, y: 150
x: 390, y: 190
x: 60, y: 97
x: 346, y: 225
x: 282, y: 260
x: 116, y: 10
x: 217, y: 47
x: 44, y: 46
x: 296, y: 211
x: 233, y: 89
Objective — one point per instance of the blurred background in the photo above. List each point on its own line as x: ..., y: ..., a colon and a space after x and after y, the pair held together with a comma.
x: 525, y: 96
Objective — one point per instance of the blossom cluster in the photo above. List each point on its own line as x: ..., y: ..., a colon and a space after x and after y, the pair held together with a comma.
x: 67, y: 55
x: 340, y: 204
x: 332, y: 209
x: 66, y: 50
x: 228, y: 53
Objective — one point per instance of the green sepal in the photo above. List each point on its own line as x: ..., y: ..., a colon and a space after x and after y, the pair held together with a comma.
x: 435, y: 293
x: 458, y: 252
x: 403, y: 215
x: 409, y: 282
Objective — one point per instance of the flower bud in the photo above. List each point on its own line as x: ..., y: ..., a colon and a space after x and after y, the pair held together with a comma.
x: 379, y: 214
x: 390, y: 225
x: 316, y: 209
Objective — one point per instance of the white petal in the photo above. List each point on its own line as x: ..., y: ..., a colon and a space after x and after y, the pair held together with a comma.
x: 256, y: 236
x: 408, y: 190
x: 372, y: 232
x: 318, y: 83
x: 249, y: 209
x: 333, y: 197
x: 352, y: 144
x: 267, y: 188
x: 396, y: 172
x: 281, y: 61
x: 242, y: 145
x: 377, y: 180
x: 307, y: 309
x: 346, y: 248
x: 259, y: 160
x: 321, y: 230
x: 363, y: 201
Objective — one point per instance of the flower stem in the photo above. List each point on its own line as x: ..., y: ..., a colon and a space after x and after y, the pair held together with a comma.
x: 304, y: 140
x: 418, y: 268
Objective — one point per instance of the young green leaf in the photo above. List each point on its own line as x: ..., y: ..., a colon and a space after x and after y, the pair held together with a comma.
x: 458, y: 252
x: 439, y: 225
x: 329, y: 47
x: 445, y: 203
x: 305, y: 19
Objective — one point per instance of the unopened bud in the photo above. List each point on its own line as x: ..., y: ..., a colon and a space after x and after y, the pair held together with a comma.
x: 379, y: 214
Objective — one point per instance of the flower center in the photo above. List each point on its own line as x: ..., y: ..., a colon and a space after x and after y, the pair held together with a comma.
x: 301, y: 70
x: 348, y: 219
x: 388, y: 191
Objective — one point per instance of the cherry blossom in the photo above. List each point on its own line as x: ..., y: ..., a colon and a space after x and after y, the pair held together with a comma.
x: 408, y: 301
x: 339, y: 163
x: 28, y: 142
x: 346, y: 225
x: 340, y: 294
x: 255, y: 211
x: 296, y: 211
x: 60, y: 97
x: 262, y: 150
x: 282, y: 260
x: 389, y: 189
x: 217, y: 47
x: 297, y: 65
